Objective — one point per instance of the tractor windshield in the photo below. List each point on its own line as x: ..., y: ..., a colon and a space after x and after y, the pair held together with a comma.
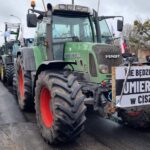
x: 106, y: 36
x: 75, y: 27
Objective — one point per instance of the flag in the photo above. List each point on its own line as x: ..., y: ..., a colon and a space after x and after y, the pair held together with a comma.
x: 123, y: 45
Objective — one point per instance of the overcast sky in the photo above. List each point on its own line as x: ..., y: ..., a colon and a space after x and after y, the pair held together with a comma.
x: 130, y: 9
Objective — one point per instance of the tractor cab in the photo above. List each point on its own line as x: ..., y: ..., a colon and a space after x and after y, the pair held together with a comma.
x: 74, y: 33
x: 75, y: 27
x: 67, y: 23
x: 12, y: 44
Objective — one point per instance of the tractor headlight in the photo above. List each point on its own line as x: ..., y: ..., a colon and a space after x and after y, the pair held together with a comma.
x: 103, y: 69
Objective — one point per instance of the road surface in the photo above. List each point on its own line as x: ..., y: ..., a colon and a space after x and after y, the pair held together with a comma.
x: 18, y: 131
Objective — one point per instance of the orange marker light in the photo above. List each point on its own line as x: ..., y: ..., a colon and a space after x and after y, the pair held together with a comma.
x: 33, y: 3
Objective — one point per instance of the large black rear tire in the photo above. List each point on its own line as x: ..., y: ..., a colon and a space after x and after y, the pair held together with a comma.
x: 15, y: 85
x: 59, y: 105
x: 9, y: 72
x: 24, y: 87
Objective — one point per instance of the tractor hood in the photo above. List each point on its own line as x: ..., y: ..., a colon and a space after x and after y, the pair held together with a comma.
x: 108, y: 55
x: 90, y: 56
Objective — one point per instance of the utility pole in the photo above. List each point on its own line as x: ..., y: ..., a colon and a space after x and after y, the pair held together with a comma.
x: 72, y: 2
x: 98, y: 6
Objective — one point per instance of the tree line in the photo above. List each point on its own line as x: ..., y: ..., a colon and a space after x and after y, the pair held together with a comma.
x: 138, y: 34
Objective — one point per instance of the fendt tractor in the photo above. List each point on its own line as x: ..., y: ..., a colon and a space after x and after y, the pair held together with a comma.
x: 9, y: 52
x: 68, y: 69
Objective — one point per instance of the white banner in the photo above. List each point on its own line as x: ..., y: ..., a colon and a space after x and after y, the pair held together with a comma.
x: 133, y: 100
x: 137, y: 88
x: 135, y: 72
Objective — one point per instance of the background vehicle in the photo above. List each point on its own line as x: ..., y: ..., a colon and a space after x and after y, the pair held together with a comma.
x: 67, y: 69
x: 9, y: 52
x: 28, y: 42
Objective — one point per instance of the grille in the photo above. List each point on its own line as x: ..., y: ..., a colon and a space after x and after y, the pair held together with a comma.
x: 8, y: 60
x: 104, y: 53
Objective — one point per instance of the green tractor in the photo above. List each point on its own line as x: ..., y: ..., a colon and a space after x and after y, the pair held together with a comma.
x: 9, y: 52
x: 27, y: 42
x: 68, y: 69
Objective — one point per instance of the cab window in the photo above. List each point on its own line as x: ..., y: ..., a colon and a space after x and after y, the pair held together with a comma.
x: 106, y: 36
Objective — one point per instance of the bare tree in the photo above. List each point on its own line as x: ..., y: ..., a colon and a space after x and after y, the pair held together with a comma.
x: 140, y: 36
x: 127, y: 29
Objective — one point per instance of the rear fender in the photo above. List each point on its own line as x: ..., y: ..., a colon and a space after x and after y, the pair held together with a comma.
x: 28, y: 58
x: 51, y: 65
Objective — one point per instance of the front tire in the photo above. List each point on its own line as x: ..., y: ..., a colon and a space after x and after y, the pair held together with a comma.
x: 59, y: 105
x: 9, y: 71
x: 24, y: 87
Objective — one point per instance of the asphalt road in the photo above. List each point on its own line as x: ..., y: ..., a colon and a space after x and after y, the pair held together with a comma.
x: 18, y: 131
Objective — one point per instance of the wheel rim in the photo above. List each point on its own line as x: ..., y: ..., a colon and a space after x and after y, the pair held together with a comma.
x: 21, y: 82
x: 46, y: 112
x: 2, y: 74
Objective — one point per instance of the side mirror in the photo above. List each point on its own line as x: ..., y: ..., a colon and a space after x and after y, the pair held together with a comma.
x: 120, y: 25
x: 31, y: 20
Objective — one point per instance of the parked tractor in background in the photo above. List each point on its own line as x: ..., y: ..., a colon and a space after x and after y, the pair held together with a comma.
x: 9, y: 52
x: 28, y: 42
x: 68, y: 68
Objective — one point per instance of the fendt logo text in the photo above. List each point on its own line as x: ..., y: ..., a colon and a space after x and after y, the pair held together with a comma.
x: 112, y: 56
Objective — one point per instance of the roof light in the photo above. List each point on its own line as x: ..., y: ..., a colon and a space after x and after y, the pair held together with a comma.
x: 70, y: 7
x: 85, y: 9
x: 80, y: 8
x: 62, y: 6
